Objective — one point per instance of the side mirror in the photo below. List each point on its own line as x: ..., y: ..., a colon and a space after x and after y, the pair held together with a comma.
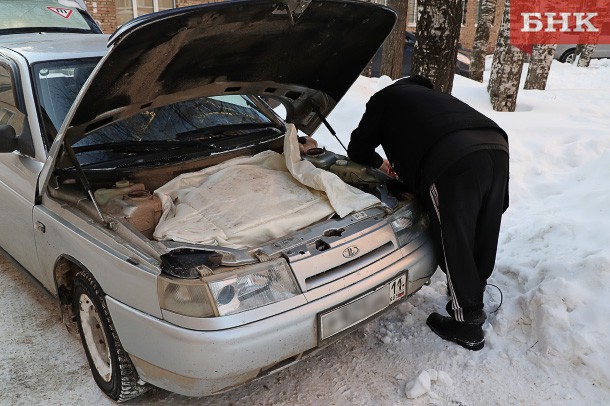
x: 8, y: 139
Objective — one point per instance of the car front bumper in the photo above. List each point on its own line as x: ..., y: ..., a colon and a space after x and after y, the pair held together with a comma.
x: 199, y: 363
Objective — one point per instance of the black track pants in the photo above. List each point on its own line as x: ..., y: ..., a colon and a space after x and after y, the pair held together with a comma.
x: 465, y: 206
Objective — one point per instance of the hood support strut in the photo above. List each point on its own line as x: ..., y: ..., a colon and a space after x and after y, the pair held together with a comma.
x: 327, y: 125
x: 83, y: 179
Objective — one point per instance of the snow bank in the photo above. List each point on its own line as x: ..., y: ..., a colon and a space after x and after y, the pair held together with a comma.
x: 553, y: 259
x: 553, y: 262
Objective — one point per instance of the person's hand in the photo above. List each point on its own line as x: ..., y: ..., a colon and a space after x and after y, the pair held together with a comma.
x: 309, y: 144
x: 387, y: 169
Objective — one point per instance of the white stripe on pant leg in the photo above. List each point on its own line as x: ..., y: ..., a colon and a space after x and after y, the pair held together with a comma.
x: 457, y: 310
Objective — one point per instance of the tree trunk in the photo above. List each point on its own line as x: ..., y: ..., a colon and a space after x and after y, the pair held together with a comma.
x: 438, y: 33
x: 588, y: 40
x: 583, y: 54
x: 506, y: 69
x: 481, y: 38
x: 540, y: 65
x: 394, y: 45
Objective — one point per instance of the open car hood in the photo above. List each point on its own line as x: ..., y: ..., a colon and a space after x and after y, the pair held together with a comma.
x: 304, y: 53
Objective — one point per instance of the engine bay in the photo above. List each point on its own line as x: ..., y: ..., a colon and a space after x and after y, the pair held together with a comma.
x: 132, y: 198
x: 139, y: 206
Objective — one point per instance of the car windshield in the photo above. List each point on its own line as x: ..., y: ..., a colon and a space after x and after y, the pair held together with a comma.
x: 19, y: 16
x: 210, y: 121
x: 202, y: 118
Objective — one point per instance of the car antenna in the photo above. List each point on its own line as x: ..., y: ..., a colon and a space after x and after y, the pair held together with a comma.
x: 83, y: 179
x: 332, y: 131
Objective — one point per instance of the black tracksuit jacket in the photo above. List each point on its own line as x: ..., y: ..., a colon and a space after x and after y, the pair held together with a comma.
x: 409, y: 120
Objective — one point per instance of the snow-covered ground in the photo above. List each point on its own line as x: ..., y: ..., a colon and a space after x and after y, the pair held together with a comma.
x: 548, y: 344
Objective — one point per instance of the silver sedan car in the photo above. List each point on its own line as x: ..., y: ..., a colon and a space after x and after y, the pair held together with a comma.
x: 565, y: 52
x: 93, y: 130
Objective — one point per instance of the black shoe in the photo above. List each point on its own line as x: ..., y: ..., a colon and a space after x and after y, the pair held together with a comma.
x: 469, y: 336
x: 470, y: 316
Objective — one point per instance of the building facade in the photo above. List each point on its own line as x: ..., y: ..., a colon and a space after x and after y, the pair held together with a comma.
x: 111, y: 14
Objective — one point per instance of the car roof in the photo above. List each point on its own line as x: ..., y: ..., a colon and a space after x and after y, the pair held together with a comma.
x: 38, y: 47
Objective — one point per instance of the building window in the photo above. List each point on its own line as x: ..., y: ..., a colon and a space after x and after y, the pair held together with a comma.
x: 412, y: 13
x: 128, y: 9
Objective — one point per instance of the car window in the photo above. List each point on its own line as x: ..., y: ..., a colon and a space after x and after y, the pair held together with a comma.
x: 18, y: 16
x: 9, y: 113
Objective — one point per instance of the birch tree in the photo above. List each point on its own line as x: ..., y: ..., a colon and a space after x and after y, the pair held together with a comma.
x: 394, y: 45
x: 583, y: 54
x: 479, y: 50
x: 506, y: 69
x: 588, y: 40
x: 540, y: 65
x: 438, y: 33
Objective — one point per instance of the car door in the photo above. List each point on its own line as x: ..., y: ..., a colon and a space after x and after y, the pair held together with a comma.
x: 603, y: 50
x: 18, y: 174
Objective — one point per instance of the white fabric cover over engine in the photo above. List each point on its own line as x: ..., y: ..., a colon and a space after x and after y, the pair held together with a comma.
x: 247, y: 201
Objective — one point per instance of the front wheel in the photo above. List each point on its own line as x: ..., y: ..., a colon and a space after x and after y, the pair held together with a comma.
x: 112, y: 369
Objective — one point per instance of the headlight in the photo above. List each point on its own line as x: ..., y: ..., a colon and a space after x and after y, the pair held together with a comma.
x: 188, y: 297
x: 239, y: 290
x: 254, y: 286
x: 408, y: 223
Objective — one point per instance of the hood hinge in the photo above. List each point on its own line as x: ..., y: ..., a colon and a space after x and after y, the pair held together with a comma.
x: 292, y: 8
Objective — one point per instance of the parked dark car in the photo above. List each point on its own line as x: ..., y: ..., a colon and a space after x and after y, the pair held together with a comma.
x: 462, y: 64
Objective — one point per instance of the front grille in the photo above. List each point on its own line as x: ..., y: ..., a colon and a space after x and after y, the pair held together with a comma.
x: 340, y: 271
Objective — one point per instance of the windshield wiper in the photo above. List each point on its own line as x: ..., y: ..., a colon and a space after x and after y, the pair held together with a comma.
x: 225, y: 129
x: 35, y: 30
x: 141, y: 146
x: 140, y: 152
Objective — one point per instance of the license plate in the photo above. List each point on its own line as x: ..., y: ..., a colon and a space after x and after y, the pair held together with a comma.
x: 398, y: 288
x: 367, y: 305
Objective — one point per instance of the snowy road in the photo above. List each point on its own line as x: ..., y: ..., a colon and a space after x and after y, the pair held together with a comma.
x: 43, y: 364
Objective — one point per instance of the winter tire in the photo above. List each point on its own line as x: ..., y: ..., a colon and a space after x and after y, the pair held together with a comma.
x: 112, y: 369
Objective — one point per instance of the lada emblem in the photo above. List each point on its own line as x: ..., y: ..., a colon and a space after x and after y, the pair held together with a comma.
x: 350, y: 252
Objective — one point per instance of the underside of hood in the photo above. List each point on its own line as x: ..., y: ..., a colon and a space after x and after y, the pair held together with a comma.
x: 304, y: 53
